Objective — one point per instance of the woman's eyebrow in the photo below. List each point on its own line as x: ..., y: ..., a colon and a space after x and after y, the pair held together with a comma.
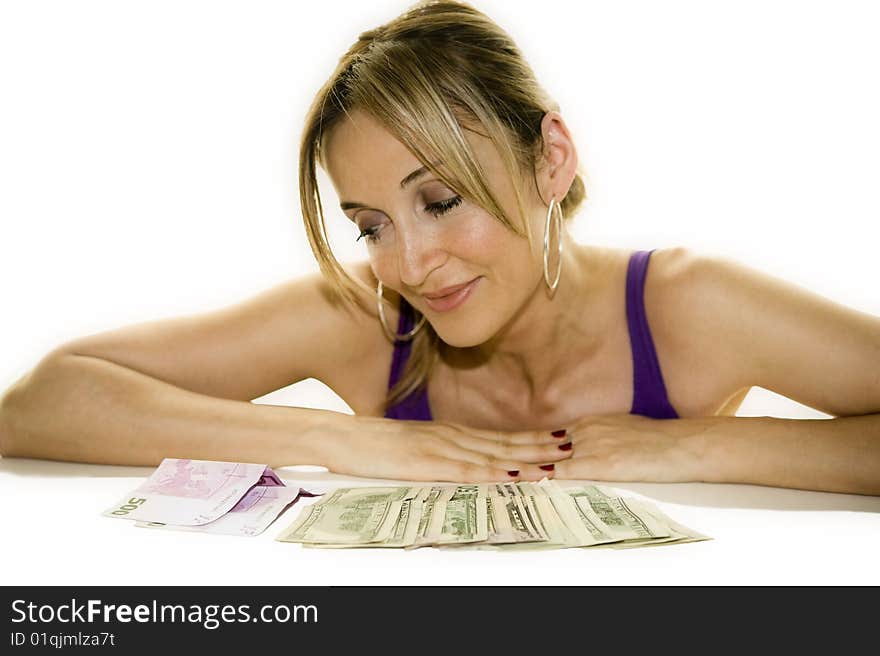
x: 412, y: 177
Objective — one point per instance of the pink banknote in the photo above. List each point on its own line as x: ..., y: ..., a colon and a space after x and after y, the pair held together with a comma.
x: 192, y: 492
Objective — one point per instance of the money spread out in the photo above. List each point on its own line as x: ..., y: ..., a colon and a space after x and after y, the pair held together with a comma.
x: 507, y: 516
x: 230, y: 498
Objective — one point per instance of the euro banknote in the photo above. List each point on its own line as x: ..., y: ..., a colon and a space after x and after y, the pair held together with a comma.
x: 252, y: 515
x: 207, y: 496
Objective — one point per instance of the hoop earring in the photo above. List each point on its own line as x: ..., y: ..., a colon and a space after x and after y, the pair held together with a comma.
x: 559, y: 219
x: 392, y: 334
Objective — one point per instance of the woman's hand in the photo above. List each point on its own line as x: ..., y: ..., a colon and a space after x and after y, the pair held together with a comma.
x: 627, y: 447
x: 441, y: 451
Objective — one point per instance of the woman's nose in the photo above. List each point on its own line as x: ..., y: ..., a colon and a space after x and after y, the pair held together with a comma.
x: 417, y: 255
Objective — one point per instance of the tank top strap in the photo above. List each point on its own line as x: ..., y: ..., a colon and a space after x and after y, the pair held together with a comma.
x: 401, y: 348
x: 649, y: 391
x: 415, y: 406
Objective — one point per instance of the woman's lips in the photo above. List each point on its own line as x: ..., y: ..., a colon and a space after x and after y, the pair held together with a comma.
x: 453, y: 300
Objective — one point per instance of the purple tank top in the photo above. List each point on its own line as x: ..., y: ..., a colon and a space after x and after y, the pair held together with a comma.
x: 649, y: 390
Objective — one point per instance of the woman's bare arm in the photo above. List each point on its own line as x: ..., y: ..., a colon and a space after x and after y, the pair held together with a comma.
x: 808, y: 348
x: 82, y: 408
x: 85, y: 409
x: 749, y: 328
x: 182, y: 388
x: 136, y: 394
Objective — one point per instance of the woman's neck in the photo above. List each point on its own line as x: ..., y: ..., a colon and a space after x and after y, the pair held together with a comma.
x: 549, y: 336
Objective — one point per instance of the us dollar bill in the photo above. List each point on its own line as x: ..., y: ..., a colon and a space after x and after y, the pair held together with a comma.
x: 505, y: 516
x: 620, y: 515
x: 465, y: 517
x: 350, y: 516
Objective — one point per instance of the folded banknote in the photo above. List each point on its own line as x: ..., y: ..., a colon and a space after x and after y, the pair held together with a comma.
x: 207, y: 496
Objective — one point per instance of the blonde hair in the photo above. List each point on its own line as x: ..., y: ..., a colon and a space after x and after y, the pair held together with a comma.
x: 434, y: 71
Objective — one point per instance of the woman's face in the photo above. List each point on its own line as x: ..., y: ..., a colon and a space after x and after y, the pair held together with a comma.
x: 423, y: 239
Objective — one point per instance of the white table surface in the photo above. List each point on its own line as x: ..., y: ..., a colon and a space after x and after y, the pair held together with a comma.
x: 54, y: 533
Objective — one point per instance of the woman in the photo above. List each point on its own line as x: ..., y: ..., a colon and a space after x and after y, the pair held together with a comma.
x: 515, y: 353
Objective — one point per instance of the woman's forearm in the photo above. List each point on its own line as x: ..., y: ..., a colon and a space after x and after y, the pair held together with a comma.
x: 85, y: 409
x: 833, y: 455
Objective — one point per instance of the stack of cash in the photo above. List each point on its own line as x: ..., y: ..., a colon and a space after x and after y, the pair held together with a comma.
x: 506, y: 516
x: 229, y: 498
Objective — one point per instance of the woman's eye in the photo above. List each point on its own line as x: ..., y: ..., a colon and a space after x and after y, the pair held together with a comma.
x: 370, y: 233
x: 437, y: 209
x: 443, y: 206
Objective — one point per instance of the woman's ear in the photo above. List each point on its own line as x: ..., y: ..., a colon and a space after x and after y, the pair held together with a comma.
x: 557, y: 167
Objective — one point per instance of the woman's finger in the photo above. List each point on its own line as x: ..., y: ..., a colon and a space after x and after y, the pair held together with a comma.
x: 460, y: 471
x: 516, y: 438
x: 534, y: 454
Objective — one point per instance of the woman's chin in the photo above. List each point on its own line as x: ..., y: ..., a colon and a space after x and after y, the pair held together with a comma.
x: 467, y: 338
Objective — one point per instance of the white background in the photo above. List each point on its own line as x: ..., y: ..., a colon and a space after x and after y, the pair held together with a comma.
x: 148, y: 151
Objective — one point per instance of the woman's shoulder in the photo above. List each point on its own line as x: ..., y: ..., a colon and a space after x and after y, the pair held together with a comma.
x: 671, y: 300
x: 686, y: 308
x: 670, y: 266
x: 670, y: 272
x: 680, y: 281
x: 359, y: 352
x: 665, y: 264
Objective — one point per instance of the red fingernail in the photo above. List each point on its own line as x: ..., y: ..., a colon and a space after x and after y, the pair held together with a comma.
x: 565, y: 447
x: 515, y: 472
x: 559, y: 433
x: 547, y: 467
